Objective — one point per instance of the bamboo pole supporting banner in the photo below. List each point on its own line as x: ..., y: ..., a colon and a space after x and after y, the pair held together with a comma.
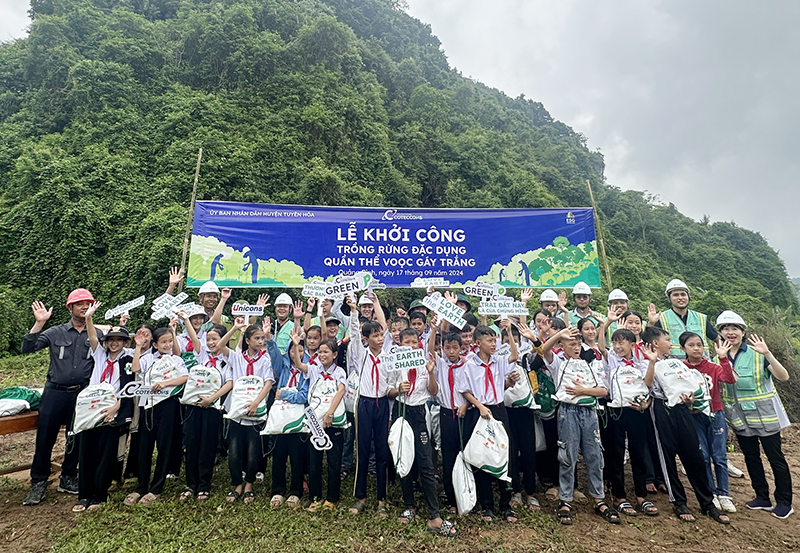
x: 190, y: 218
x: 600, y: 240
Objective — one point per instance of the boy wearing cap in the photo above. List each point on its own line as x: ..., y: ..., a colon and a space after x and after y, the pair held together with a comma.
x: 70, y: 368
x: 582, y: 295
x: 754, y: 411
x: 679, y: 319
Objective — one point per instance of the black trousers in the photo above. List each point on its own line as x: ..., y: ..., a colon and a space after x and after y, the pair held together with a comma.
x: 334, y: 456
x: 452, y: 443
x: 132, y: 464
x: 201, y: 430
x: 755, y: 468
x: 423, y: 464
x: 157, y: 427
x: 56, y: 409
x: 678, y: 436
x: 522, y: 457
x: 483, y: 480
x: 244, y: 453
x: 547, y: 460
x: 97, y: 462
x: 179, y: 443
x: 372, y: 429
x: 624, y: 421
x: 294, y: 448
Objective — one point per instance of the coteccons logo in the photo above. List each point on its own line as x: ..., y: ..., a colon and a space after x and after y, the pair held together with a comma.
x: 394, y: 214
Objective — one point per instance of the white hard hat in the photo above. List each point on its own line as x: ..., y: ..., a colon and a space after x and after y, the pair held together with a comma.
x: 676, y: 284
x: 730, y: 318
x: 364, y: 300
x: 548, y: 295
x: 209, y: 287
x: 283, y: 299
x: 582, y: 288
x: 617, y: 294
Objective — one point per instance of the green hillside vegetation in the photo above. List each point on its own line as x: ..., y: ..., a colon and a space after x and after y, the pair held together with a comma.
x: 340, y: 102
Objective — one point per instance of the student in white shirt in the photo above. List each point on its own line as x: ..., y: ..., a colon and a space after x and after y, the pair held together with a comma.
x: 483, y: 383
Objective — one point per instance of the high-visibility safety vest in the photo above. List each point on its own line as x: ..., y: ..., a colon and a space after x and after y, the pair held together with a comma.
x: 283, y: 336
x: 751, y: 402
x: 695, y: 322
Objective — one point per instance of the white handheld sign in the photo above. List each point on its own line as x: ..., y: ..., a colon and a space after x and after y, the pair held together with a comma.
x: 243, y: 309
x: 502, y: 305
x: 436, y: 282
x: 120, y: 309
x: 450, y: 312
x: 165, y: 305
x: 484, y: 290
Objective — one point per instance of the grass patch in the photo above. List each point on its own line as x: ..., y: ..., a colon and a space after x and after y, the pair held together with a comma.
x: 24, y: 370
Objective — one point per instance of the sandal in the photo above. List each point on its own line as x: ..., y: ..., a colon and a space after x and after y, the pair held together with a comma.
x: 148, y: 499
x: 358, y: 506
x: 683, y: 513
x: 132, y: 499
x: 648, y: 508
x: 233, y: 496
x: 453, y: 510
x: 186, y: 495
x: 510, y: 516
x: 487, y: 515
x: 202, y: 496
x: 607, y: 513
x: 717, y: 515
x: 533, y: 503
x: 94, y: 505
x: 407, y: 516
x: 81, y: 506
x: 293, y: 502
x: 382, y: 512
x: 447, y: 529
x: 626, y: 509
x: 277, y: 500
x: 516, y: 500
x: 564, y: 513
x: 249, y: 497
x: 315, y: 506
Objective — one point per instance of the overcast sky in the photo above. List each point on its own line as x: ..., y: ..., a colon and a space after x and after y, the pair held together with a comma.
x: 696, y: 102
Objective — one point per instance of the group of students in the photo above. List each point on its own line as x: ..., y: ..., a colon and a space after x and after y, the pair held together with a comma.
x: 604, y: 388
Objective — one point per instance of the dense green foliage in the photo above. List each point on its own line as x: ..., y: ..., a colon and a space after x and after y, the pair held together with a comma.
x: 345, y: 102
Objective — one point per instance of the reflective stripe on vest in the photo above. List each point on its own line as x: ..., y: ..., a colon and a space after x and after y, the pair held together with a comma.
x: 749, y: 402
x: 695, y: 322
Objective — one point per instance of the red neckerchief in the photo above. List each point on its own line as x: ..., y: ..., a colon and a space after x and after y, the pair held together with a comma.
x: 451, y: 379
x: 108, y: 371
x: 556, y: 351
x: 293, y: 378
x: 627, y: 362
x: 252, y: 362
x: 189, y: 344
x: 488, y: 379
x: 412, y: 379
x: 312, y: 359
x: 597, y: 354
x: 375, y: 373
x: 324, y: 373
x: 212, y: 361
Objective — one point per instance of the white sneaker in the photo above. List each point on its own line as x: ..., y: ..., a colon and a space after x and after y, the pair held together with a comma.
x: 726, y: 504
x: 733, y: 472
x: 716, y: 502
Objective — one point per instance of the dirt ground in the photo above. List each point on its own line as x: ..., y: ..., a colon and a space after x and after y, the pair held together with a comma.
x: 31, y: 529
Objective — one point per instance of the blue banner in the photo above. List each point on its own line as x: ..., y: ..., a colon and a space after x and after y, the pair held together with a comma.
x: 268, y: 246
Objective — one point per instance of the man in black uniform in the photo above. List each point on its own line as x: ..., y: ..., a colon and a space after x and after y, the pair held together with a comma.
x: 71, y: 366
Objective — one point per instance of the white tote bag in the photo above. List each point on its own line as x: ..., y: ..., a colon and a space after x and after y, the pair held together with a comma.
x: 320, y: 398
x: 162, y: 370
x: 521, y: 393
x: 487, y: 448
x: 626, y: 386
x: 401, y: 444
x: 351, y: 392
x: 89, y: 406
x: 464, y: 485
x: 202, y: 382
x: 576, y: 370
x: 676, y: 379
x: 286, y: 418
x: 245, y: 391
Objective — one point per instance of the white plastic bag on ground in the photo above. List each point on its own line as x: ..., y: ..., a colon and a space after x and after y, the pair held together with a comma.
x: 286, y: 418
x: 245, y: 391
x: 487, y: 448
x: 351, y: 392
x: 401, y: 444
x: 320, y: 397
x: 10, y: 407
x: 464, y: 485
x: 90, y: 404
x: 521, y: 393
x: 202, y: 382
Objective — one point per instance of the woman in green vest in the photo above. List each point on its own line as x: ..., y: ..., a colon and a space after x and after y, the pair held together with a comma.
x: 755, y: 413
